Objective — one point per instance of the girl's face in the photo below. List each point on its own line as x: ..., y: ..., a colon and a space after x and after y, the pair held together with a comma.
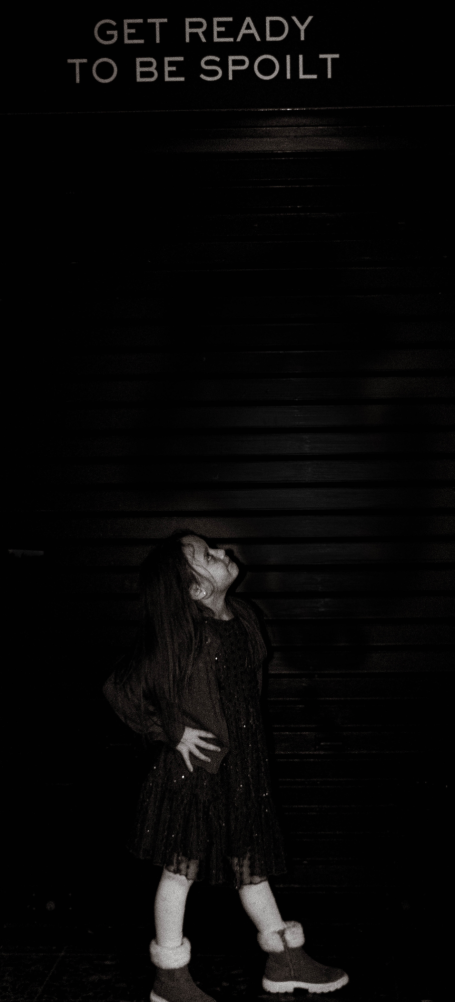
x: 213, y: 567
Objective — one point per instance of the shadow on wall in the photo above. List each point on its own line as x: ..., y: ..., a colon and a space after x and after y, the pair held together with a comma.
x: 389, y: 513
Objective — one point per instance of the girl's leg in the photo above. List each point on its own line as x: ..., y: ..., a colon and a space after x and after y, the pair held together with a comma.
x: 256, y: 896
x: 288, y: 966
x: 259, y: 903
x: 170, y: 904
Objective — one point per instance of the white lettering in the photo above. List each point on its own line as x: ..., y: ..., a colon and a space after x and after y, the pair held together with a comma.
x: 77, y: 63
x: 305, y: 76
x: 132, y: 31
x: 217, y: 28
x: 264, y: 76
x: 329, y: 57
x: 104, y: 79
x: 105, y: 41
x: 244, y: 30
x: 146, y: 70
x: 213, y: 69
x: 172, y: 69
x: 275, y: 38
x: 303, y: 26
x: 288, y: 67
x: 237, y: 63
x: 195, y: 31
x: 157, y: 21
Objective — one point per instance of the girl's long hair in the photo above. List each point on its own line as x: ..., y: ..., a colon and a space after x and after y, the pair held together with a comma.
x: 171, y: 629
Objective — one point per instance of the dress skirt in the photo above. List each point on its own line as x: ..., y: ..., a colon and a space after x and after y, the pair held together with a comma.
x: 218, y: 827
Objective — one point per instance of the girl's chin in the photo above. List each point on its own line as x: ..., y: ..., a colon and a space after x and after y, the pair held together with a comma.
x: 233, y: 569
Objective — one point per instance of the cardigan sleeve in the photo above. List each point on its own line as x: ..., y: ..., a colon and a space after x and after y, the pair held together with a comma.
x: 126, y: 698
x: 258, y: 648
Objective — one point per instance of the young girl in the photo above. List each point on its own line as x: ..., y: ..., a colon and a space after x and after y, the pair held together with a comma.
x: 205, y: 811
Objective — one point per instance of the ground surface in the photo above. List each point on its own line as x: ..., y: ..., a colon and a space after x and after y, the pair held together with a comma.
x: 47, y: 962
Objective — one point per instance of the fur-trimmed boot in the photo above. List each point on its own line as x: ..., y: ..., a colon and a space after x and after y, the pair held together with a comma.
x: 173, y: 981
x: 289, y: 967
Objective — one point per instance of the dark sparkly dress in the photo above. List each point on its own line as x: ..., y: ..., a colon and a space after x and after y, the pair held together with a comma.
x: 216, y: 826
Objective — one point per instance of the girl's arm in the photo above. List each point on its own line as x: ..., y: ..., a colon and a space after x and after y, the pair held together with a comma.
x: 126, y: 699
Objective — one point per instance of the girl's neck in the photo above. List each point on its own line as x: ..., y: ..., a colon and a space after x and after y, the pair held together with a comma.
x: 217, y: 605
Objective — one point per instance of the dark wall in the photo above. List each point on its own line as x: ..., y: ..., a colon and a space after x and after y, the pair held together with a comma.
x: 241, y: 324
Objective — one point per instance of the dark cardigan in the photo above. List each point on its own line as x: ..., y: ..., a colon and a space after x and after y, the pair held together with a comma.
x: 201, y: 709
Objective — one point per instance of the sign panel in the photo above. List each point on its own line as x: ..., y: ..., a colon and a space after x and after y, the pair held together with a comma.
x: 111, y: 58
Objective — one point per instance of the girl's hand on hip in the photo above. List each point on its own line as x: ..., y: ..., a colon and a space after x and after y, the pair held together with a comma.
x: 193, y: 740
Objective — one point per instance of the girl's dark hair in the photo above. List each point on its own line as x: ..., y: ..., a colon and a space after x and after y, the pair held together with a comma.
x: 171, y: 621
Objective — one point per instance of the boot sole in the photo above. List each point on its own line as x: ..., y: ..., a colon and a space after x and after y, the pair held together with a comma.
x: 288, y: 986
x: 156, y: 998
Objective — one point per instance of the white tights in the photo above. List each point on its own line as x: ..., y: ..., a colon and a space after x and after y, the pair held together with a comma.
x: 257, y: 899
